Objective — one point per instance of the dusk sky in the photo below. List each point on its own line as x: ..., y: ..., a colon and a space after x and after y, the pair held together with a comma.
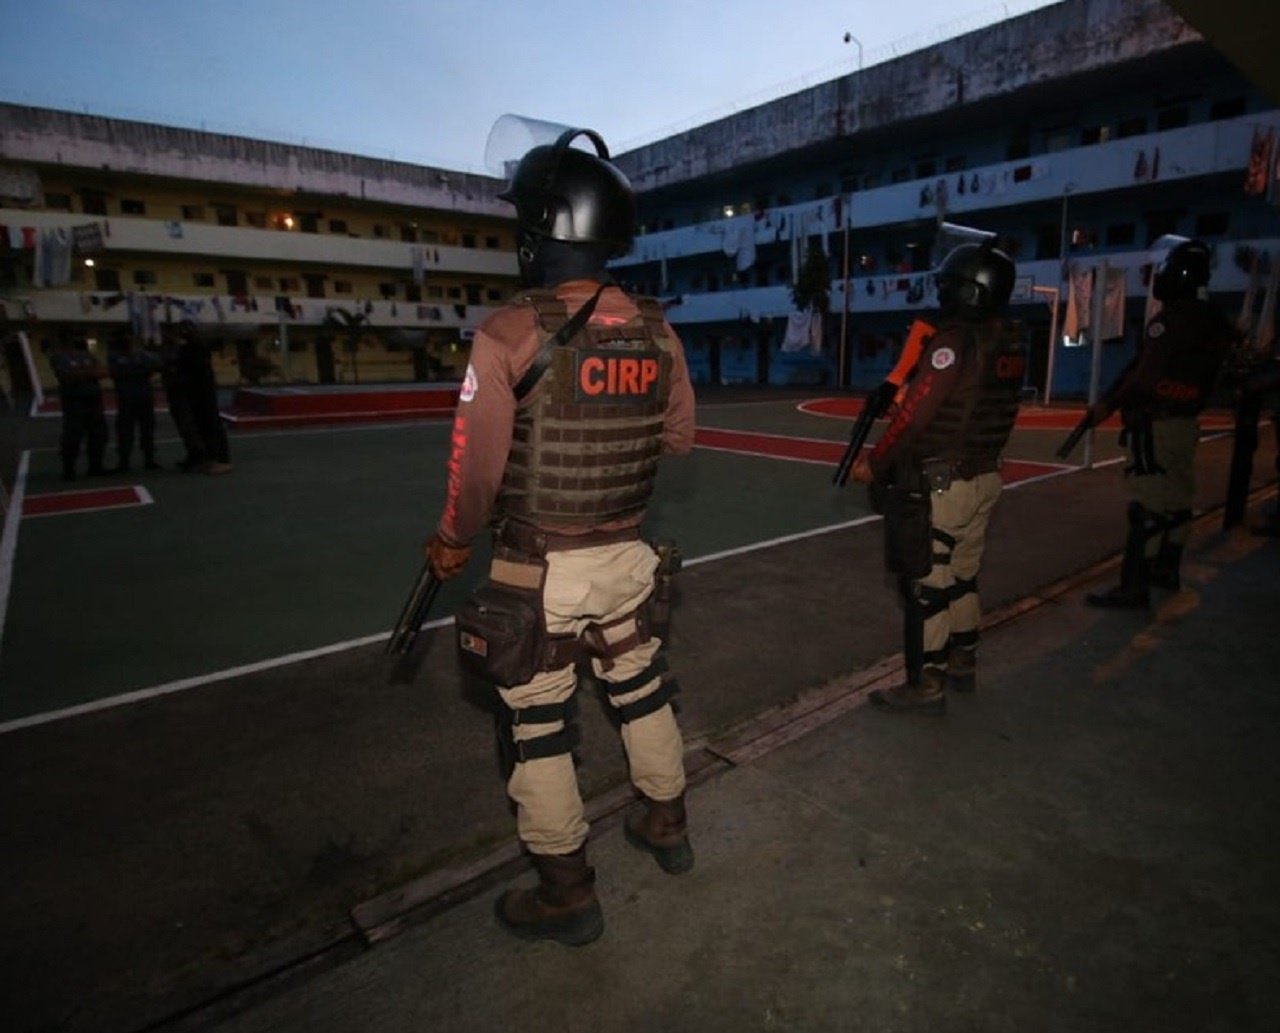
x: 424, y: 81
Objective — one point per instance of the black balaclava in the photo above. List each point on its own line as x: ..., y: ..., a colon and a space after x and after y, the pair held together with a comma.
x: 545, y: 262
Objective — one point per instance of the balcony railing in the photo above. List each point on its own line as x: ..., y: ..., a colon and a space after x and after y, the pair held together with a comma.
x: 238, y: 314
x: 1176, y: 154
x: 137, y: 234
x: 893, y: 292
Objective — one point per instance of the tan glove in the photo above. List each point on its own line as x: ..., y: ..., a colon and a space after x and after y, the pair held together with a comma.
x: 447, y: 560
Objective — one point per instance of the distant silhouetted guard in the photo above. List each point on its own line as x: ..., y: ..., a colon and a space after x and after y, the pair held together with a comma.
x: 1159, y: 396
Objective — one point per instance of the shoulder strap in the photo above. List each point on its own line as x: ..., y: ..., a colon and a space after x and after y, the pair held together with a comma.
x: 562, y: 336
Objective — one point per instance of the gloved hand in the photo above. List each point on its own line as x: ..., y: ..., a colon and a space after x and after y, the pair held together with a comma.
x: 861, y: 472
x: 446, y: 559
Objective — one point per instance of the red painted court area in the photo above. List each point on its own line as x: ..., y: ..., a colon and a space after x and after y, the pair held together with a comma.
x: 1029, y: 417
x: 85, y: 500
x: 813, y: 450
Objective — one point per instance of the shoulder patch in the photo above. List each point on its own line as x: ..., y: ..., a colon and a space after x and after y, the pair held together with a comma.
x: 943, y: 357
x: 469, y: 385
x: 1156, y: 328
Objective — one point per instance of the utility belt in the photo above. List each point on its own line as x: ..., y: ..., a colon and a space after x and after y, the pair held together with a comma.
x: 938, y: 473
x: 538, y: 541
x: 502, y: 631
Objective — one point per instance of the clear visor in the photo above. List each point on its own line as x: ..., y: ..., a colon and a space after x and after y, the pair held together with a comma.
x: 1161, y: 246
x: 514, y: 136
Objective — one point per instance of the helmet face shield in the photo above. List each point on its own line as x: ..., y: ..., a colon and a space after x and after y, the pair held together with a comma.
x: 561, y: 190
x: 1184, y: 273
x: 975, y: 281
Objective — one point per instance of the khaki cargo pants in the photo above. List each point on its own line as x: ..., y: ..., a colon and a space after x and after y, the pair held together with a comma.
x: 1166, y: 492
x: 949, y: 594
x: 583, y: 586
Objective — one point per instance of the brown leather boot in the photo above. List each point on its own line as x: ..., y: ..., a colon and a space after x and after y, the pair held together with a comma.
x: 926, y: 696
x: 962, y: 670
x: 660, y: 827
x: 562, y: 907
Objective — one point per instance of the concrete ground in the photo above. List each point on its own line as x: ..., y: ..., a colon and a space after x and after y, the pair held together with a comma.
x: 1087, y: 843
x: 1083, y: 843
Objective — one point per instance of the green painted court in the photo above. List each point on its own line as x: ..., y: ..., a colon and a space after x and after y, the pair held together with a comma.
x: 314, y: 541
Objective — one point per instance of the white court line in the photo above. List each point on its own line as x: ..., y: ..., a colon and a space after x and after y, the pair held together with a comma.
x: 9, y: 537
x: 763, y: 455
x: 197, y: 681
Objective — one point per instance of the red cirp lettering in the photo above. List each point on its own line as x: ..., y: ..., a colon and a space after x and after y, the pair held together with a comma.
x: 623, y: 375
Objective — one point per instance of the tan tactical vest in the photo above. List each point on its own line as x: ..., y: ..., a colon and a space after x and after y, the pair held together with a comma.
x: 587, y: 439
x: 974, y: 422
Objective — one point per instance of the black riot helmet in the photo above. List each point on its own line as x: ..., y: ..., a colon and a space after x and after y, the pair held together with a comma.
x: 1184, y: 273
x: 568, y: 195
x: 974, y: 281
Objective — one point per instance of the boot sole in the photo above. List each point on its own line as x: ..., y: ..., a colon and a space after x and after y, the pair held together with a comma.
x: 575, y: 930
x: 674, y: 860
x: 934, y: 708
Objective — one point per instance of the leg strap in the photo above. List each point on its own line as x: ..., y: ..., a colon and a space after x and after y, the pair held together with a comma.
x: 551, y: 745
x: 948, y: 543
x: 649, y: 703
x: 963, y: 586
x: 597, y: 644
x: 929, y: 600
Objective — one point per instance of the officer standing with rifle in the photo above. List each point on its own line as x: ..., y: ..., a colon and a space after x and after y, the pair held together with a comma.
x: 936, y: 468
x: 1159, y: 396
x: 573, y: 392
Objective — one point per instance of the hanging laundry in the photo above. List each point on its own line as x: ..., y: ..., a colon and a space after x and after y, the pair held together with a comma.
x: 1260, y: 158
x: 1140, y: 166
x: 797, y: 335
x: 173, y: 228
x: 746, y: 250
x: 1113, y: 305
x: 87, y: 239
x: 1155, y: 164
x: 418, y: 260
x: 1079, y: 301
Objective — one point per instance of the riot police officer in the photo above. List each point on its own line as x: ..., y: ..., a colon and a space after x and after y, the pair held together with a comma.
x: 80, y: 391
x: 937, y: 465
x: 573, y: 391
x: 1159, y: 396
x: 131, y: 372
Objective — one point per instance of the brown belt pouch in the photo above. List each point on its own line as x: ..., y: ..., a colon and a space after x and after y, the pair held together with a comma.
x: 908, y: 528
x: 502, y: 634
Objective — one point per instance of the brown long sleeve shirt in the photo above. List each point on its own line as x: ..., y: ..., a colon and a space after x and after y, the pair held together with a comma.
x: 503, y: 350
